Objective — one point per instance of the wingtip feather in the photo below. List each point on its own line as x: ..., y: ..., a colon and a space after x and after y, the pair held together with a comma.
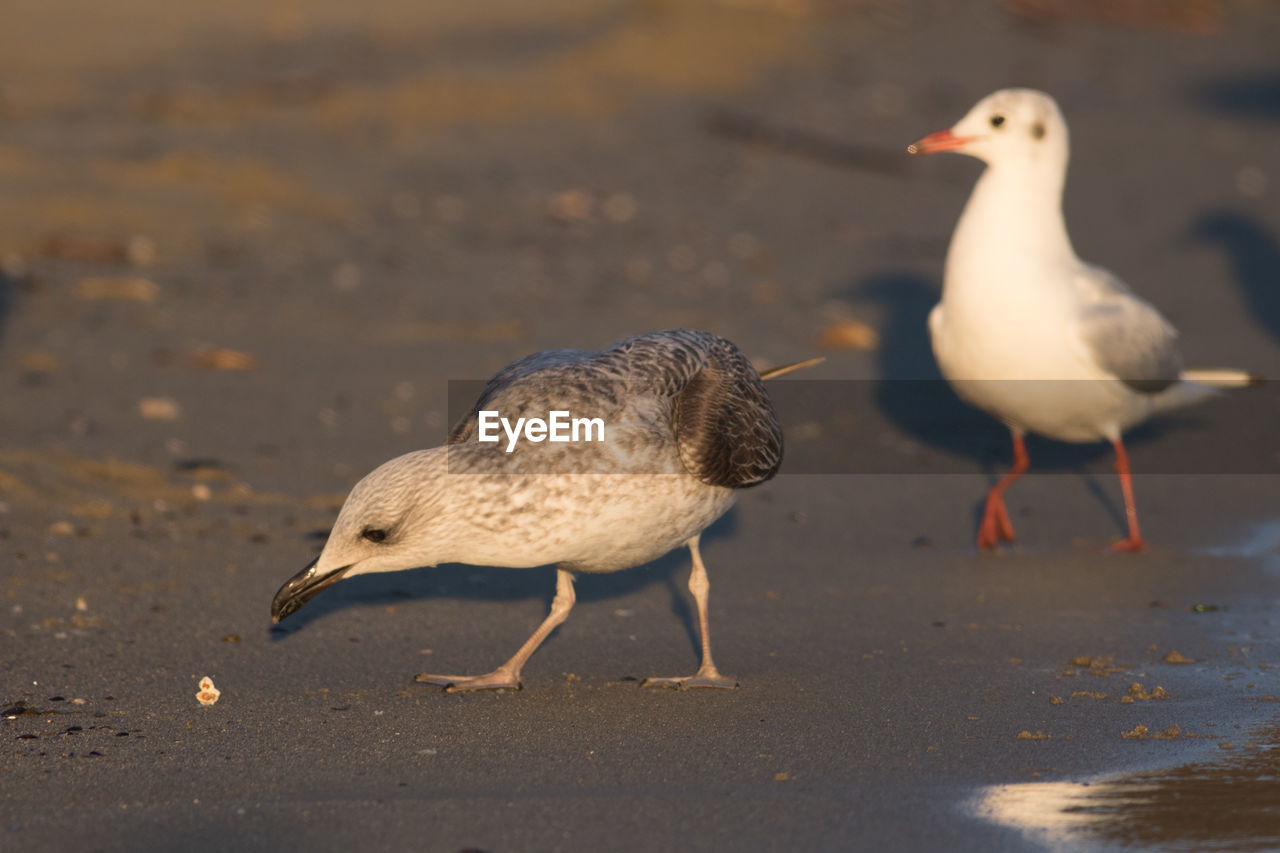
x: 1222, y: 377
x: 783, y: 370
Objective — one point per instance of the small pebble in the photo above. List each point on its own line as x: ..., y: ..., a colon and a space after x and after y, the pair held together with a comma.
x: 571, y: 206
x: 848, y: 334
x: 159, y: 408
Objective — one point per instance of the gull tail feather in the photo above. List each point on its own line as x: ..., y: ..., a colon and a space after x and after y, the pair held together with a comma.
x: 1198, y: 384
x: 1221, y: 377
x: 774, y: 373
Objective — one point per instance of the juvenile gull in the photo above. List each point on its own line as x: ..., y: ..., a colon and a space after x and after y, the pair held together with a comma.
x: 1027, y: 331
x: 687, y: 423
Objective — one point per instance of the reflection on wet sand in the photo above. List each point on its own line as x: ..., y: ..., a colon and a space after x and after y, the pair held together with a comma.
x: 1229, y: 804
x: 1262, y: 542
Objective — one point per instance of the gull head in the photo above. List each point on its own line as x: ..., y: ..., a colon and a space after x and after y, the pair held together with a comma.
x: 390, y: 521
x: 1011, y: 126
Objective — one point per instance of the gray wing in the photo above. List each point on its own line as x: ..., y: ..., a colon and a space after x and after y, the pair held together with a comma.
x: 1125, y: 336
x: 727, y: 432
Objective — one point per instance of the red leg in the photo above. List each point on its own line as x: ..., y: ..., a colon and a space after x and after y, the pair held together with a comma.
x: 1134, y: 544
x: 996, y: 526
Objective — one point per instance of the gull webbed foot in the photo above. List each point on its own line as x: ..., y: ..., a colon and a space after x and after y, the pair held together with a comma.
x: 702, y: 679
x: 499, y: 679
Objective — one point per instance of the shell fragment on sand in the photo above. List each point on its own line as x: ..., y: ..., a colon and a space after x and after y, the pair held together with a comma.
x: 208, y: 694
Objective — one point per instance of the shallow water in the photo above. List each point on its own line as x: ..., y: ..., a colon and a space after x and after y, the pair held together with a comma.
x: 1262, y: 542
x: 1231, y: 803
x: 1227, y: 801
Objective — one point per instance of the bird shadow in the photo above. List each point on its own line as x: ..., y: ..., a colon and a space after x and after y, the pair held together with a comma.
x: 490, y: 583
x: 1254, y: 254
x: 1241, y: 95
x: 910, y: 391
x: 918, y: 402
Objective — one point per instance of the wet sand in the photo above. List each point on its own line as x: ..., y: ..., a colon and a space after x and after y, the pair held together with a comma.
x: 342, y: 210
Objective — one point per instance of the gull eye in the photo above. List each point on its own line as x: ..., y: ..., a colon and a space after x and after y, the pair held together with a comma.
x: 1037, y: 130
x: 373, y: 534
x: 997, y: 120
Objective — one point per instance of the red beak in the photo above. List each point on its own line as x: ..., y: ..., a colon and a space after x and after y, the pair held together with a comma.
x: 943, y: 140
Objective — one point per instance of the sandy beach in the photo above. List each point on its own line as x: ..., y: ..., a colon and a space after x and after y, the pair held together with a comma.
x: 248, y: 253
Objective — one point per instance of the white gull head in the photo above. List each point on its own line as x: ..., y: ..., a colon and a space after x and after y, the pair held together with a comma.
x: 392, y: 520
x: 1010, y: 129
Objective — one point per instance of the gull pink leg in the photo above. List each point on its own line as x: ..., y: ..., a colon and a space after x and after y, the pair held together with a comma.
x: 707, y: 674
x: 1135, y: 544
x: 507, y: 676
x: 996, y: 526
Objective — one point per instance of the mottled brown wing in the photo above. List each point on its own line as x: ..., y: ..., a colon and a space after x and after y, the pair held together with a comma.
x: 462, y: 430
x: 506, y: 391
x: 726, y: 430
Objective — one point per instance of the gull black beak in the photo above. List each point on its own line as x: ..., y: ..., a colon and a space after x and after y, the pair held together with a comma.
x: 303, y: 587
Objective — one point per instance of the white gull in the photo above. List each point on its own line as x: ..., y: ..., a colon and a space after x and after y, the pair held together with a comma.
x: 1027, y: 331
